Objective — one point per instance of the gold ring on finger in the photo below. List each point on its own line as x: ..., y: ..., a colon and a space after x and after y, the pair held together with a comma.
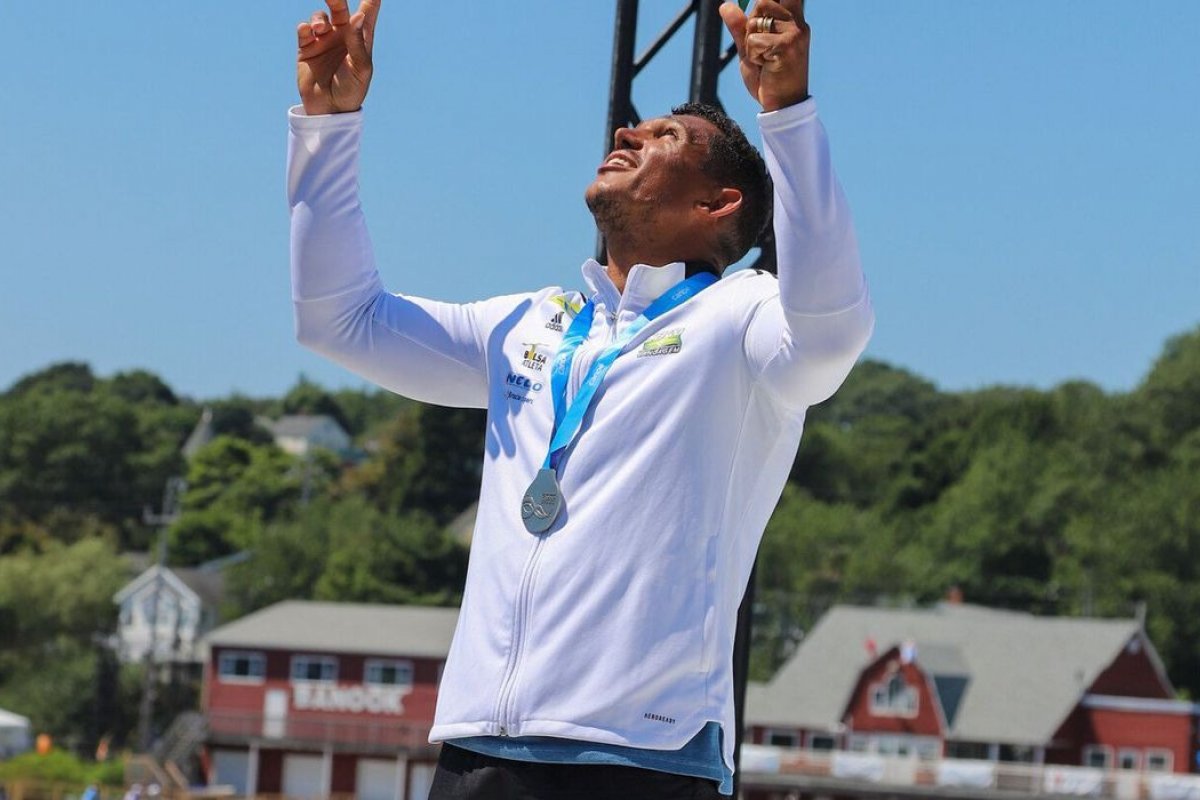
x: 764, y: 24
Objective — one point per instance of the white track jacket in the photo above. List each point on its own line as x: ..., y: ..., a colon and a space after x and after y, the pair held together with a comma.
x: 617, y: 625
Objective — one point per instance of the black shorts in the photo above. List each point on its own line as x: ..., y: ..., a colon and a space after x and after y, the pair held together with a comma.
x: 465, y: 775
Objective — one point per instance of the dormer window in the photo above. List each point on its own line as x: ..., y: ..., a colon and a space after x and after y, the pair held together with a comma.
x: 892, y: 697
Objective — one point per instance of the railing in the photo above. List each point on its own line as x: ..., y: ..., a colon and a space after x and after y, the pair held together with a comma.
x: 338, y: 731
x: 761, y: 764
x: 58, y: 790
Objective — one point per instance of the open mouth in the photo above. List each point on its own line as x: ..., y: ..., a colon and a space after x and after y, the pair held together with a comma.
x: 618, y: 160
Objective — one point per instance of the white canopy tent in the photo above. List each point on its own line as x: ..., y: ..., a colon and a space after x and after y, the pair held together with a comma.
x: 15, y: 736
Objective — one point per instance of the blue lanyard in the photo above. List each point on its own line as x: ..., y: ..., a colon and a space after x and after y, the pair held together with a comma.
x: 568, y: 421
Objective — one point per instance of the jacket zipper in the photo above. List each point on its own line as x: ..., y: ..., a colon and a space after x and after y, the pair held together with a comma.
x: 508, y: 685
x: 504, y: 711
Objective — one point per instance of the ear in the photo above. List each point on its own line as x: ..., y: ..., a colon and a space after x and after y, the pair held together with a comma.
x: 725, y: 202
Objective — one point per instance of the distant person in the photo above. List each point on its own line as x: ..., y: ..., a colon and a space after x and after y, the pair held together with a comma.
x: 639, y: 432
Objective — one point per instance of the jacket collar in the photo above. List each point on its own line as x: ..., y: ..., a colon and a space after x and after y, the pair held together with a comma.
x: 643, y: 286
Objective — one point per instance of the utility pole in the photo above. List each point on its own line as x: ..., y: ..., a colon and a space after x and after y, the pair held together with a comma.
x: 708, y: 60
x: 172, y: 499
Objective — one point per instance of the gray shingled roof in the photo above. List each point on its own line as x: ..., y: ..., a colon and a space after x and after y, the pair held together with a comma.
x: 343, y: 628
x: 201, y: 435
x: 1025, y: 673
x: 209, y: 585
x: 298, y: 425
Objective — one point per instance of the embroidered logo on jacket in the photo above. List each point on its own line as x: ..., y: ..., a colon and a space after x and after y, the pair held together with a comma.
x: 536, y: 355
x: 521, y: 382
x: 663, y: 344
x: 567, y: 308
x: 520, y: 386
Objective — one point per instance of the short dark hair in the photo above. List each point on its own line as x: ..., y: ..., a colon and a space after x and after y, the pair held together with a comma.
x: 732, y: 161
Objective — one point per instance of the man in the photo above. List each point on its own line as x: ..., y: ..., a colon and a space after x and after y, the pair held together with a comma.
x: 639, y: 434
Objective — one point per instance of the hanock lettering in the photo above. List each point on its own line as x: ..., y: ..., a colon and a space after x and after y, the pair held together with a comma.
x: 357, y: 699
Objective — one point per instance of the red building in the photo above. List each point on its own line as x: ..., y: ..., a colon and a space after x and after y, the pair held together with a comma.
x: 311, y: 699
x: 970, y: 683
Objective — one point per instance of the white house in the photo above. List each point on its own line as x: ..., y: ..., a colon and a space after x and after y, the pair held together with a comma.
x: 187, y: 607
x: 299, y: 434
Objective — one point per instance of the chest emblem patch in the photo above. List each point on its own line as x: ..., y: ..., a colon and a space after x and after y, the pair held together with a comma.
x: 567, y: 309
x: 535, y: 356
x: 662, y: 344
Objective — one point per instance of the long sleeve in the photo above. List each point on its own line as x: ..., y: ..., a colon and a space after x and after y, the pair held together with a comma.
x: 803, y: 342
x: 427, y: 350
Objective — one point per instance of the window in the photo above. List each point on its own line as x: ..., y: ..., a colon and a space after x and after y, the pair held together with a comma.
x: 974, y: 750
x: 778, y: 738
x: 1097, y: 756
x: 1128, y: 759
x: 314, y: 668
x: 147, y: 608
x: 821, y: 741
x: 188, y: 616
x: 240, y: 666
x: 387, y: 672
x: 929, y: 749
x: 1017, y: 753
x: 893, y: 698
x: 1159, y: 761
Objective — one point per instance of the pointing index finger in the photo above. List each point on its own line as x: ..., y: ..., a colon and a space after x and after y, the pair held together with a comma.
x: 339, y: 14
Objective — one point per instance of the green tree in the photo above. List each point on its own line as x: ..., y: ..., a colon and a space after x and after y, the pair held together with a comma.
x: 368, y: 411
x: 234, y: 486
x: 307, y: 397
x: 428, y: 459
x: 347, y: 550
x: 378, y: 558
x: 1171, y: 391
x: 68, y: 376
x: 67, y: 450
x: 56, y: 610
x: 62, y: 590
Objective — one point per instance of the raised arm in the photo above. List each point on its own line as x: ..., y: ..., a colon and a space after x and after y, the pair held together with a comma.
x: 430, y: 351
x: 804, y: 341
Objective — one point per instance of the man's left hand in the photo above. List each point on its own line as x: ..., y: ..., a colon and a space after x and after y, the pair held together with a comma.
x: 772, y: 44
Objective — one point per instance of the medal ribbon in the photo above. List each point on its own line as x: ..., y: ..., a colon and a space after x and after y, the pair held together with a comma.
x: 568, y: 421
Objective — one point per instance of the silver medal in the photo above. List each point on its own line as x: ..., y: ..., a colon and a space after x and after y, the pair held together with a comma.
x: 542, y: 502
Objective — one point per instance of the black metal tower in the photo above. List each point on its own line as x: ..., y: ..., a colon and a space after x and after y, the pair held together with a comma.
x: 708, y: 61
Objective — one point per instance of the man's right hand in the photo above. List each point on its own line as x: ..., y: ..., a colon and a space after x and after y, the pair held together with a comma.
x: 333, y: 65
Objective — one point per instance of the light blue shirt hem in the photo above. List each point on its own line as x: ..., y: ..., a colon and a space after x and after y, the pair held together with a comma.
x: 699, y: 758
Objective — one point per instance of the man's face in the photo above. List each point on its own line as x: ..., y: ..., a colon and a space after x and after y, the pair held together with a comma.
x: 653, y: 175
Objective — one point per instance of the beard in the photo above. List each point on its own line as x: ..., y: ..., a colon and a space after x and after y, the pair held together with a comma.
x: 611, y: 215
x: 616, y: 217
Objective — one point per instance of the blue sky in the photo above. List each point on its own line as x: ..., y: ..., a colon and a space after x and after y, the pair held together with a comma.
x: 1025, y: 176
